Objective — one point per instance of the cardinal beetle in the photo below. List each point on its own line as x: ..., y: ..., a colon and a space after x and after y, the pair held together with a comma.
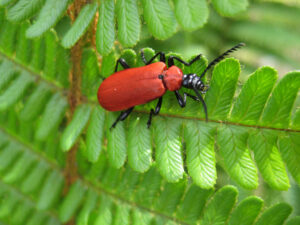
x: 135, y: 86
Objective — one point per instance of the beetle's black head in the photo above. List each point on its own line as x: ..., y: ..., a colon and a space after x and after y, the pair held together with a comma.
x: 192, y: 81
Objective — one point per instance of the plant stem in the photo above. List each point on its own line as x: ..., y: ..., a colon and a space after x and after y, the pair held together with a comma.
x: 70, y: 172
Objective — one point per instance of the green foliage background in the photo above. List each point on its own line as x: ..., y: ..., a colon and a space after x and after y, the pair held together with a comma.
x: 241, y: 167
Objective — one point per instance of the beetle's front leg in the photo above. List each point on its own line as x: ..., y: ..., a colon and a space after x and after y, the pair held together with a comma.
x: 122, y: 117
x: 154, y: 112
x: 123, y: 63
x: 182, y: 100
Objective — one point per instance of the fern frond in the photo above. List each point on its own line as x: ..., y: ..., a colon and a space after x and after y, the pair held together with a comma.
x: 251, y: 114
x: 98, y: 198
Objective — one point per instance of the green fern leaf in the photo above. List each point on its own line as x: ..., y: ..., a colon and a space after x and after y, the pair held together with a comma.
x: 116, y: 147
x: 141, y: 218
x: 222, y: 88
x: 50, y: 191
x: 168, y: 153
x: 296, y: 119
x: 230, y: 7
x: 232, y: 143
x: 15, y: 91
x: 35, y: 103
x: 247, y: 211
x: 189, y: 211
x: 290, y: 152
x: 286, y: 91
x: 128, y: 22
x: 218, y: 209
x: 94, y: 136
x: 170, y: 197
x: 75, y: 127
x: 149, y: 188
x: 268, y: 159
x: 105, y: 34
x: 139, y: 145
x: 160, y: 18
x: 36, y: 219
x: 89, y: 205
x: 8, y: 156
x: 130, y: 57
x: 7, y: 73
x: 52, y: 116
x: 20, y: 168
x: 108, y: 64
x: 90, y: 71
x: 128, y: 183
x: 51, y: 47
x: 21, y: 212
x: 38, y: 52
x: 122, y: 214
x: 201, y: 162
x: 35, y: 178
x: 275, y: 215
x: 104, y: 214
x: 191, y: 14
x: 80, y: 25
x: 23, y: 45
x: 8, y: 37
x: 50, y: 13
x: 71, y: 202
x: 24, y: 9
x: 250, y: 102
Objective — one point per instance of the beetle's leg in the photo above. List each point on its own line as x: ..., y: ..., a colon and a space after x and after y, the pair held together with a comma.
x: 122, y: 117
x: 154, y: 112
x: 182, y: 100
x: 123, y: 63
x: 172, y: 58
x: 202, y: 101
x: 161, y: 55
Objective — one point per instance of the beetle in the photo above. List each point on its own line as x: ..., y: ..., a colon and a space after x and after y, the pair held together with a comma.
x: 135, y: 86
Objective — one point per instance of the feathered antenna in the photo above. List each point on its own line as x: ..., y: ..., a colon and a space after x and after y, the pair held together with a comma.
x: 215, y: 61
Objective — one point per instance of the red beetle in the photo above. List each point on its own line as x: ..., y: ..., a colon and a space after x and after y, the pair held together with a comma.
x: 135, y: 86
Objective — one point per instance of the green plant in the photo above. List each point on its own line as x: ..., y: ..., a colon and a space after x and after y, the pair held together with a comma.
x: 59, y: 162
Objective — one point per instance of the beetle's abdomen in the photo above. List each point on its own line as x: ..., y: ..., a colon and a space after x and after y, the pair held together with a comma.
x: 130, y: 87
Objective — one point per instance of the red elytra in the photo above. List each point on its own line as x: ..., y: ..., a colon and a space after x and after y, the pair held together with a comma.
x: 136, y: 86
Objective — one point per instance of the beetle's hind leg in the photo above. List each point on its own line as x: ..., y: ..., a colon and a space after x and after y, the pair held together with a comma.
x: 162, y: 57
x: 154, y: 112
x: 122, y: 117
x: 123, y: 63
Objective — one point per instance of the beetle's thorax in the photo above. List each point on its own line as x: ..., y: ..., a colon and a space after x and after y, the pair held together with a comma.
x: 193, y: 81
x: 172, y: 78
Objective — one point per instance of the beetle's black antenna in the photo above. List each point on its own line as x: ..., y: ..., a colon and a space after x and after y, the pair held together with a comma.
x: 203, y: 102
x: 215, y: 61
